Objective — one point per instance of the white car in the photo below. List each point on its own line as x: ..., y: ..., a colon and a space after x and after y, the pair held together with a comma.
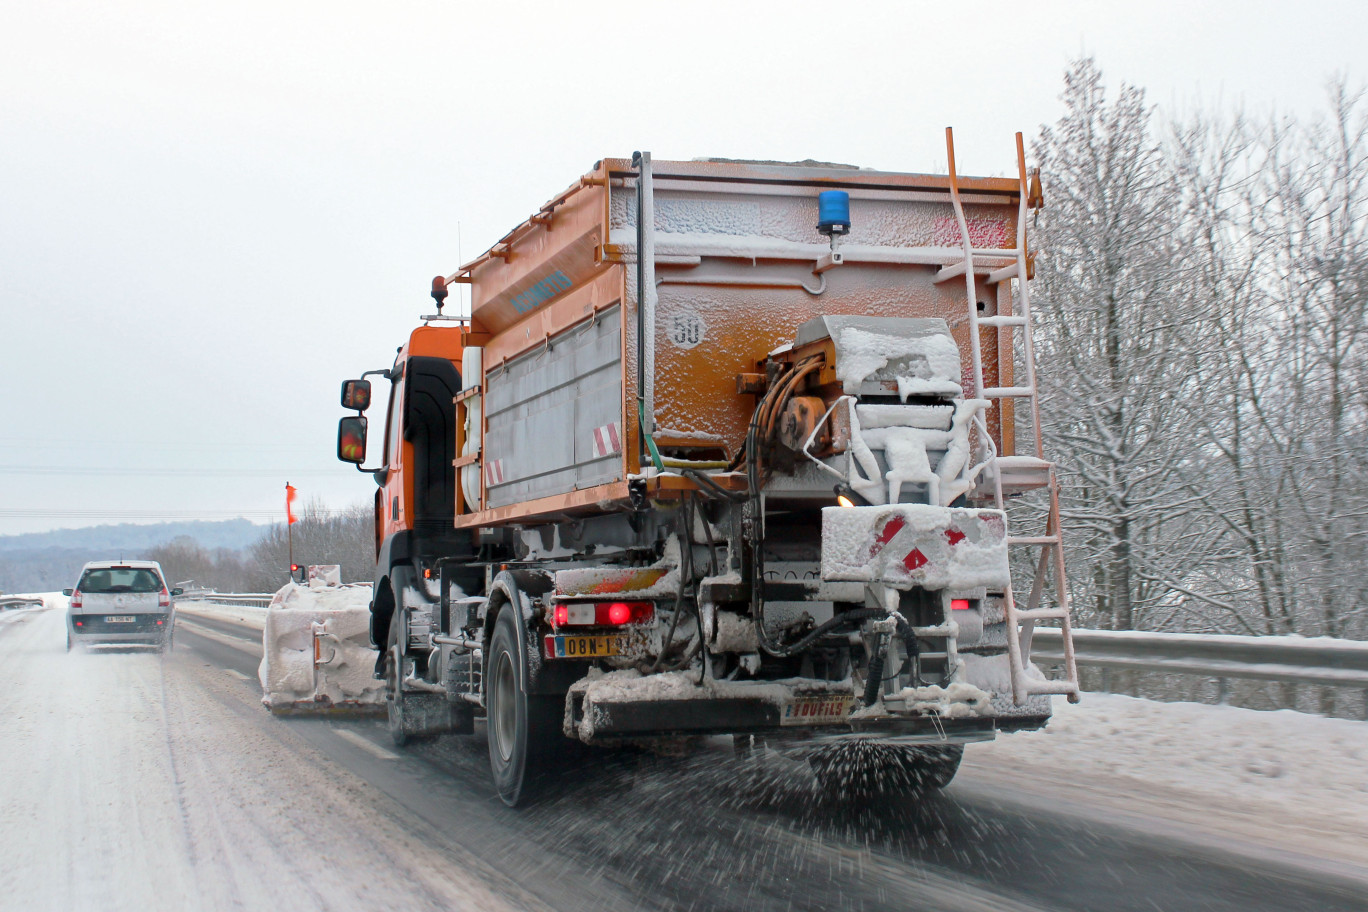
x: 121, y: 602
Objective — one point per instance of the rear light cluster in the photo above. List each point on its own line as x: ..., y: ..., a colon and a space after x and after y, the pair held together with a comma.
x: 601, y: 614
x: 959, y: 604
x: 163, y: 600
x: 76, y: 599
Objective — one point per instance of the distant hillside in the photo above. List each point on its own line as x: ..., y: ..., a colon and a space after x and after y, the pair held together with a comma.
x: 130, y: 537
x: 47, y: 561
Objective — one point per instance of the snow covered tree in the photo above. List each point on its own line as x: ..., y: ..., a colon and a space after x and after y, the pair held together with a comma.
x: 1115, y: 375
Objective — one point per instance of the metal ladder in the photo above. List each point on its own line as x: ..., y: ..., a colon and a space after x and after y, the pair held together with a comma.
x: 1020, y: 624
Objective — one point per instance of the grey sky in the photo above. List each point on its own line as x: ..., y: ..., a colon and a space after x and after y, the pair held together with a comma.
x: 212, y: 213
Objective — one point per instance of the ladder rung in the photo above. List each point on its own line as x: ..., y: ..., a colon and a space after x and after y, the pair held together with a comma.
x: 1002, y: 321
x: 1008, y: 392
x: 1006, y: 272
x: 1065, y: 688
x: 956, y: 269
x: 1033, y: 540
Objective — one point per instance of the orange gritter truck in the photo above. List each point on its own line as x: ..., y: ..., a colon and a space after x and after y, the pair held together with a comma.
x: 723, y: 448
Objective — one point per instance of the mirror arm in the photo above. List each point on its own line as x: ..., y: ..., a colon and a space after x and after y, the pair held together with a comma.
x: 380, y: 474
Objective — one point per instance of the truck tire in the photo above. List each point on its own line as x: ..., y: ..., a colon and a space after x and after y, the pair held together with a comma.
x: 524, y: 730
x: 858, y: 771
x: 416, y: 715
x: 394, y: 692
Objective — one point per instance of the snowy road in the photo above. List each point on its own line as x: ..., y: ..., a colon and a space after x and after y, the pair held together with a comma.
x: 138, y: 781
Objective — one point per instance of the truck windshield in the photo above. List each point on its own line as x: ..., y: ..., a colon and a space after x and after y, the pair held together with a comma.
x: 120, y: 579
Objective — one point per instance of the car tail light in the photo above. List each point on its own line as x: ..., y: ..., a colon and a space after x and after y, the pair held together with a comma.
x: 79, y: 623
x: 959, y: 604
x: 164, y: 599
x: 602, y: 614
x: 76, y: 599
x: 160, y: 622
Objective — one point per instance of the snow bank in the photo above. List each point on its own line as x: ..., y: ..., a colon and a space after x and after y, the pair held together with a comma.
x: 1208, y: 762
x: 338, y: 617
x: 247, y: 615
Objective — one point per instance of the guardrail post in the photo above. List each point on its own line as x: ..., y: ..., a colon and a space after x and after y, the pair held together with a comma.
x: 1106, y: 679
x: 1222, y: 691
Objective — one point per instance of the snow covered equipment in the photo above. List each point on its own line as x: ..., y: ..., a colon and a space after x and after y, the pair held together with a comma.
x: 725, y: 447
x: 316, y: 655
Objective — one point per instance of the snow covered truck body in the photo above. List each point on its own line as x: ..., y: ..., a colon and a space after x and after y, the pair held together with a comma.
x: 723, y: 448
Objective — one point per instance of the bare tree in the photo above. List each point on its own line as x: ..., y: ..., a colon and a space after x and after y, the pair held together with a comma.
x: 321, y: 536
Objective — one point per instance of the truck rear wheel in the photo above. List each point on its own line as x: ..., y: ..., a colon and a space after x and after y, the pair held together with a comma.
x: 861, y: 770
x: 524, y: 730
x: 394, y: 693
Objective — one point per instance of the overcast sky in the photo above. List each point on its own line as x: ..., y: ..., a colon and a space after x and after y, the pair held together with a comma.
x: 211, y: 213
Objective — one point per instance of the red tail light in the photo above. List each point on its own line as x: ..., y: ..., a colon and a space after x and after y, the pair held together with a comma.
x: 959, y: 604
x: 602, y: 614
x: 76, y: 599
x: 164, y: 600
x: 80, y: 623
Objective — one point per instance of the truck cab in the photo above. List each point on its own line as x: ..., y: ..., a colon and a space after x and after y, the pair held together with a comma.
x: 415, y: 499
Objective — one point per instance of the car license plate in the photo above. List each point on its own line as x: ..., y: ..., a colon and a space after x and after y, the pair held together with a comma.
x: 586, y: 647
x: 120, y: 619
x: 824, y: 709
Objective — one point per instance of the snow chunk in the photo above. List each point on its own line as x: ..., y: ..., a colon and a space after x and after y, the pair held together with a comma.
x: 923, y: 364
x: 957, y: 701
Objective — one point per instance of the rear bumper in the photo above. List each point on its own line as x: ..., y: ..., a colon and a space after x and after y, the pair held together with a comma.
x: 676, y: 707
x: 144, y: 630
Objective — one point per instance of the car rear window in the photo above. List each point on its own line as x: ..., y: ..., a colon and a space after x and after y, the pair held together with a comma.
x: 120, y: 579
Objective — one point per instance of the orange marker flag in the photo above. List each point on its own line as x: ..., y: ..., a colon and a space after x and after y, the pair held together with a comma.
x: 290, y: 494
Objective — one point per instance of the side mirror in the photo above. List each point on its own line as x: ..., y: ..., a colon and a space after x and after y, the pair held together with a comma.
x: 67, y: 592
x: 177, y: 591
x: 351, y: 438
x: 356, y: 394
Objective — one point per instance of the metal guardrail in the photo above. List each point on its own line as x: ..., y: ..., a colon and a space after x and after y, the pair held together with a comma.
x: 1321, y: 660
x: 15, y: 602
x: 253, y: 599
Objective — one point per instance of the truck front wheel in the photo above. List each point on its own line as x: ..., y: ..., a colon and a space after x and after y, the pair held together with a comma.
x: 524, y: 730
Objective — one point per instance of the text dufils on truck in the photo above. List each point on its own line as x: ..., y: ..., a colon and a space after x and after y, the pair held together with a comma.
x: 723, y: 448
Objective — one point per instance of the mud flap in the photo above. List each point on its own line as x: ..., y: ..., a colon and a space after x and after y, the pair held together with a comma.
x: 429, y: 714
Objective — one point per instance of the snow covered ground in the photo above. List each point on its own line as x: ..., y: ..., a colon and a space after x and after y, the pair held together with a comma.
x: 133, y: 780
x: 1285, y: 779
x: 138, y: 781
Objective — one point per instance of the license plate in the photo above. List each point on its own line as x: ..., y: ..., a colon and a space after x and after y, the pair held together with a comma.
x: 586, y: 647
x: 120, y: 619
x: 817, y: 710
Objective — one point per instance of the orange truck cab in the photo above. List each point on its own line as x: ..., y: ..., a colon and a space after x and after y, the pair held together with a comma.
x: 416, y: 499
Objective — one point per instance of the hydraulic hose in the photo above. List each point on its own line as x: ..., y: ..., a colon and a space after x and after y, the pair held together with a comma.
x: 874, y: 678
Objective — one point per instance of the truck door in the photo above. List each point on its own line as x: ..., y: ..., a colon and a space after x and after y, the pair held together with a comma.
x: 394, y: 509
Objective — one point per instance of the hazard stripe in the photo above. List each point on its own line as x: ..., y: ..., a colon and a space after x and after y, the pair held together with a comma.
x: 890, y: 529
x: 606, y: 441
